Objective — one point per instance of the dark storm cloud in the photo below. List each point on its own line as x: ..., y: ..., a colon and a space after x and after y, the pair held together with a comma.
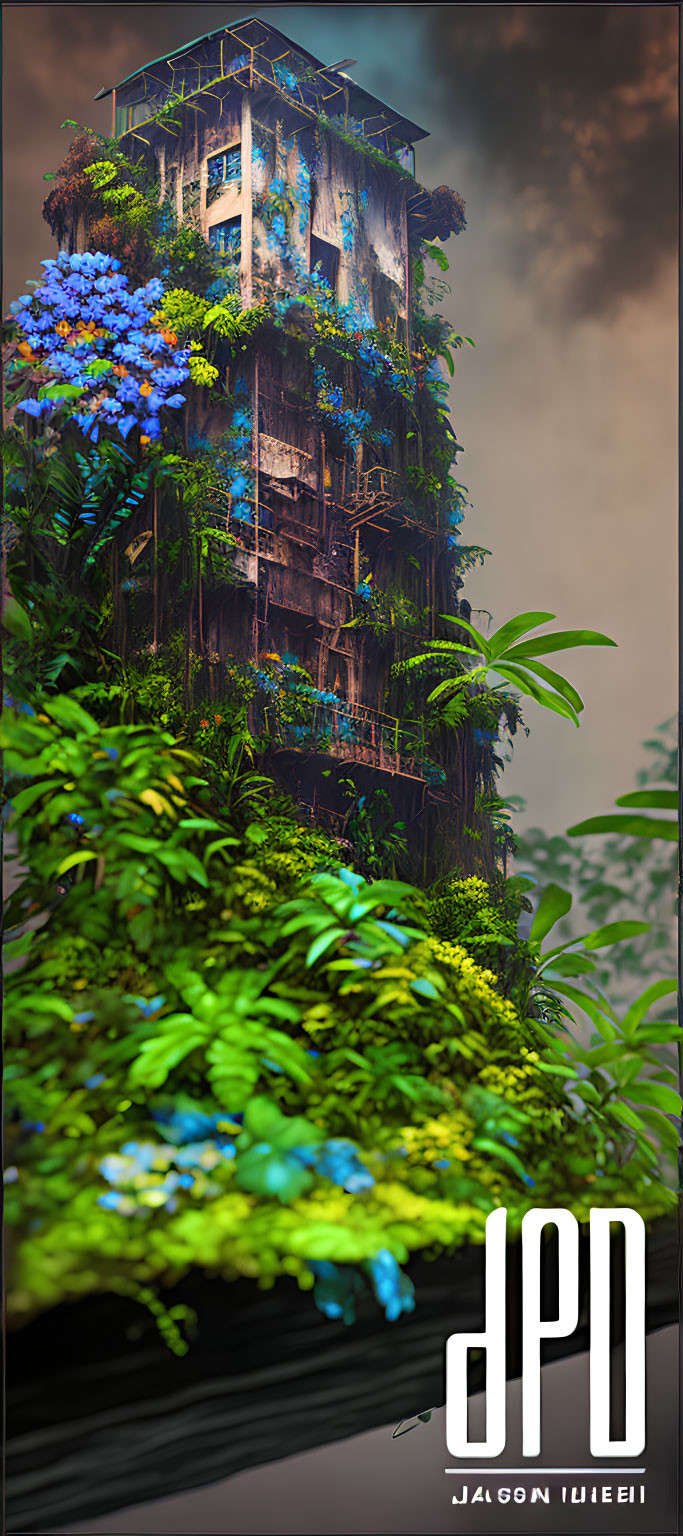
x: 574, y: 108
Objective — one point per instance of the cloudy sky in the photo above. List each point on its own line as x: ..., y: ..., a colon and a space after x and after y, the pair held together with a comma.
x: 558, y: 126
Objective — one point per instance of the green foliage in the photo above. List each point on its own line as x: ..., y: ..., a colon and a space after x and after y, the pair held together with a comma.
x: 636, y: 826
x: 483, y: 921
x: 169, y: 971
x: 614, y: 877
x: 377, y: 837
x: 504, y: 655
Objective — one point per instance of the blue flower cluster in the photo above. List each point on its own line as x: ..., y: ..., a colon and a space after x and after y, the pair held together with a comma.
x: 186, y: 1126
x: 337, y: 1285
x: 394, y: 1291
x: 303, y: 182
x: 346, y: 220
x: 352, y: 424
x: 268, y: 683
x: 96, y: 342
x: 143, y: 1174
x: 149, y: 1174
x: 232, y: 462
x: 316, y: 695
x: 339, y: 1162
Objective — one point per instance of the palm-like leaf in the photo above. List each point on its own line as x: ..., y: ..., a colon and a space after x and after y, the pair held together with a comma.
x: 514, y: 660
x: 636, y: 826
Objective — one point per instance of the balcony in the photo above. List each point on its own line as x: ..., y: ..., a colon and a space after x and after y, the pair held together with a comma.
x: 356, y: 734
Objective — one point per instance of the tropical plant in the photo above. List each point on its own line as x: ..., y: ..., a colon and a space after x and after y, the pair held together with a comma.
x: 616, y: 874
x: 505, y: 655
x: 636, y: 826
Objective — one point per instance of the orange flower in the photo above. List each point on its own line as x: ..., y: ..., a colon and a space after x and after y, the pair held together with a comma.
x: 144, y: 440
x: 204, y: 724
x: 25, y: 350
x: 63, y: 328
x: 218, y: 719
x: 120, y: 370
x: 145, y: 389
x: 170, y: 337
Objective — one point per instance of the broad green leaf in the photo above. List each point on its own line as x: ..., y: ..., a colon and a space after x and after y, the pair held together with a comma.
x: 499, y: 1149
x: 614, y: 933
x: 554, y: 904
x: 651, y: 799
x: 27, y: 797
x: 606, y: 1029
x: 520, y: 678
x: 636, y: 1013
x: 556, y: 681
x: 482, y: 644
x: 520, y: 625
x: 568, y: 965
x: 15, y: 620
x: 631, y: 826
x: 82, y: 856
x: 324, y: 942
x: 657, y: 1095
x: 563, y: 640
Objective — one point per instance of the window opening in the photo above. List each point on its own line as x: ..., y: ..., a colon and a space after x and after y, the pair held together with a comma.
x: 226, y: 238
x: 327, y: 258
x: 225, y: 170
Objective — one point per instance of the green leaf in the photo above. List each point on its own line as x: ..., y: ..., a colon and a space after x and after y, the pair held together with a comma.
x: 555, y: 903
x: 498, y: 1149
x: 27, y: 797
x: 604, y: 1025
x: 264, y: 1171
x: 519, y: 677
x: 436, y: 254
x: 324, y: 942
x: 631, y: 826
x: 82, y: 856
x: 66, y: 711
x: 651, y: 799
x: 483, y: 646
x: 556, y: 681
x: 614, y: 933
x: 657, y: 1095
x: 60, y: 391
x: 563, y: 640
x: 16, y: 620
x: 568, y: 965
x: 636, y: 1013
x: 520, y: 625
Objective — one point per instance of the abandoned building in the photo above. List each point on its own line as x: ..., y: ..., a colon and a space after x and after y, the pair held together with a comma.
x: 332, y: 441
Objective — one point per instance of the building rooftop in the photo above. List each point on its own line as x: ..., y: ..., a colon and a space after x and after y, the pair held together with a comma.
x: 252, y: 49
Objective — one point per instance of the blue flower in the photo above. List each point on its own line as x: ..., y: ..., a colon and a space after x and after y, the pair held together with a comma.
x: 147, y: 1006
x: 394, y: 1291
x: 111, y: 1200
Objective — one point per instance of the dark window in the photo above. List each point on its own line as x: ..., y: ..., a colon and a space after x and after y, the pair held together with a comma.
x: 326, y: 257
x: 226, y: 238
x: 128, y: 117
x: 224, y: 170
